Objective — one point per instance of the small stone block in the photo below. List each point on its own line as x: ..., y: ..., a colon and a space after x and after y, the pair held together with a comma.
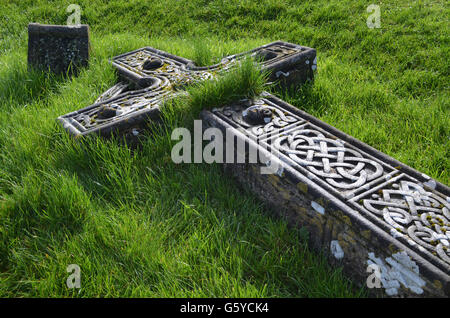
x: 60, y: 49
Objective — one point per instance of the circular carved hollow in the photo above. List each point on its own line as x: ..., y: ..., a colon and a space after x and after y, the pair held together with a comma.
x: 257, y: 115
x: 152, y: 64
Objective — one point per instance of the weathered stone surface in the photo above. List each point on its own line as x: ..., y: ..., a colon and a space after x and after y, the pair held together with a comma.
x: 162, y: 76
x: 363, y: 207
x: 60, y: 49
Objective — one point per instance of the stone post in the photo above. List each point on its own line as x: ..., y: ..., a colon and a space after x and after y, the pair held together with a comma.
x: 57, y: 48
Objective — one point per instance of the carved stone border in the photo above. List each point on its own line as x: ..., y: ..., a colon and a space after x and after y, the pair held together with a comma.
x: 288, y: 68
x: 296, y: 66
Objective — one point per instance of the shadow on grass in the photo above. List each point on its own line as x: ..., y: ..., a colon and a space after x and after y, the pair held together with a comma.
x: 307, y: 97
x: 44, y: 207
x: 159, y: 215
x: 21, y: 85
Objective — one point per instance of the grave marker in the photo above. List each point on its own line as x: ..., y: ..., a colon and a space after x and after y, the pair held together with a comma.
x: 370, y: 212
x: 58, y: 48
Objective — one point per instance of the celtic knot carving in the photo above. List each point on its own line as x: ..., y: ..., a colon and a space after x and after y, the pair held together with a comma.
x: 341, y: 167
x: 420, y: 215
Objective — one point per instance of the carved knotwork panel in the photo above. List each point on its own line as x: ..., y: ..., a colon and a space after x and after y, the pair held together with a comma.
x: 421, y: 216
x: 341, y: 168
x: 393, y: 199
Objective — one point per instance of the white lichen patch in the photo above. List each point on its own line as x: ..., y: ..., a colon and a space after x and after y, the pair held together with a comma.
x: 279, y: 73
x: 430, y: 184
x: 316, y: 206
x: 396, y: 271
x: 336, y: 250
x: 280, y: 171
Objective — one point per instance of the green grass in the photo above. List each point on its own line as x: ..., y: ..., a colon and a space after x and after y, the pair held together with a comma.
x: 140, y: 225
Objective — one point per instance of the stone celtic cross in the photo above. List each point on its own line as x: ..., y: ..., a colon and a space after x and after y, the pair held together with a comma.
x: 374, y: 215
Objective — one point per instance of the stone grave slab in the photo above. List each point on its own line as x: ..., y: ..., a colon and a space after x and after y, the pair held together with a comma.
x: 160, y: 76
x: 58, y: 48
x: 368, y: 210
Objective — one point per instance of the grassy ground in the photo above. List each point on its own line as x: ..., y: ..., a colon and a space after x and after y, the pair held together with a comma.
x: 139, y: 225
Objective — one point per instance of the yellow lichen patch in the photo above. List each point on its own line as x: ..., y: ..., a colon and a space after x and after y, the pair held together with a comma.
x: 273, y: 179
x: 332, y: 224
x: 345, y: 245
x: 347, y: 237
x: 393, y: 248
x: 340, y: 218
x: 366, y: 234
x: 302, y: 187
x: 437, y: 284
x: 301, y: 210
x: 284, y: 193
x: 346, y: 219
x: 317, y: 223
x: 322, y: 202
